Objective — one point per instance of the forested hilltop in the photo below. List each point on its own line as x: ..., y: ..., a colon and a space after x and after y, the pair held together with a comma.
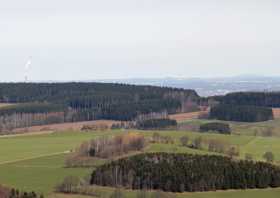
x: 44, y: 103
x: 265, y: 99
x: 185, y: 172
x: 245, y: 106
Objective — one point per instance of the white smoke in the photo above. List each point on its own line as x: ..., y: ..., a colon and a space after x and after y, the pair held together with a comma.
x: 26, y: 68
x: 27, y: 65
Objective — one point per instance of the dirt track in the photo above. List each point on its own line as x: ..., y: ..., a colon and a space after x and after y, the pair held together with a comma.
x: 186, y: 116
x: 64, y: 126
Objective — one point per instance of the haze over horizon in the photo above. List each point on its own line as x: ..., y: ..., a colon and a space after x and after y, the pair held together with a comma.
x: 87, y: 40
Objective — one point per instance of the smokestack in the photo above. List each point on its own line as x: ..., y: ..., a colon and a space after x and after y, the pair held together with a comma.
x: 26, y: 69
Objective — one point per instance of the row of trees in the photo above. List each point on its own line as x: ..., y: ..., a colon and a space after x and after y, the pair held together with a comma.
x: 211, y: 145
x: 184, y: 172
x: 75, y: 185
x: 18, y: 194
x: 156, y: 124
x: 106, y: 147
x: 241, y: 113
x: 15, y: 193
x: 219, y: 127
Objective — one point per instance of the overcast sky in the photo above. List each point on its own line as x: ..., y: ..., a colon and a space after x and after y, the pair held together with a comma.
x: 97, y: 39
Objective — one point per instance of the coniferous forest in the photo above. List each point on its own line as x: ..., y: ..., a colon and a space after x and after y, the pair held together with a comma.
x: 265, y: 99
x: 241, y: 113
x: 185, y: 172
x: 45, y: 103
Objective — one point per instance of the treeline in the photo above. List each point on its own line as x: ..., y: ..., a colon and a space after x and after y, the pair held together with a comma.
x: 31, y: 108
x: 15, y: 193
x: 241, y: 113
x: 90, y: 101
x: 184, y: 172
x: 266, y: 99
x: 23, y: 194
x: 106, y: 147
x: 151, y: 124
x: 219, y: 127
x: 29, y: 114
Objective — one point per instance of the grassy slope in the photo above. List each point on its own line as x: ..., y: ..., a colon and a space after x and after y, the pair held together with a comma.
x: 267, y: 193
x: 23, y: 147
x: 256, y: 146
x: 43, y: 173
x: 39, y: 173
x: 243, y: 128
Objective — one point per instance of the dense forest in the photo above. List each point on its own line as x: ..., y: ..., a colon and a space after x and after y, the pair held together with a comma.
x: 69, y: 102
x: 241, y: 113
x: 185, y: 172
x: 266, y: 99
x: 86, y: 95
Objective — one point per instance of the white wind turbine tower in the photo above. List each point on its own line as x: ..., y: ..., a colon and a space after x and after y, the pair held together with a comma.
x: 26, y: 69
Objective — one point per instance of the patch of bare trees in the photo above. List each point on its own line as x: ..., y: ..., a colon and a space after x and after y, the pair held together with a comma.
x: 105, y: 147
x: 161, y: 139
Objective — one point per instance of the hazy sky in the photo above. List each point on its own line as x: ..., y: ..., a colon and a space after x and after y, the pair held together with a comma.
x: 93, y: 39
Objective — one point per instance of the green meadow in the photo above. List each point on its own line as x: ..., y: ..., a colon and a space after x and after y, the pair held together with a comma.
x: 267, y: 193
x: 36, y: 162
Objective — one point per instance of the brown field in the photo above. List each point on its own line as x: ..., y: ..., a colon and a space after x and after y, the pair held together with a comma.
x: 276, y: 112
x: 68, y: 196
x: 5, y: 104
x: 180, y: 117
x: 64, y: 126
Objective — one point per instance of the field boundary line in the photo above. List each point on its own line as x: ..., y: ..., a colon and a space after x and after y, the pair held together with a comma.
x: 27, y: 134
x: 31, y: 158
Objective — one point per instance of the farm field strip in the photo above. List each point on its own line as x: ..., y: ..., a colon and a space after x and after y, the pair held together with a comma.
x: 250, y: 193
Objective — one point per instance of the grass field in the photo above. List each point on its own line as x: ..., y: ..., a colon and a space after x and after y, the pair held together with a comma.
x: 243, y: 128
x: 266, y: 193
x: 40, y: 174
x: 36, y: 162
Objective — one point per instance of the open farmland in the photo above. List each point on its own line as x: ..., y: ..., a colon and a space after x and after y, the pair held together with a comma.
x: 40, y: 158
x: 242, y: 128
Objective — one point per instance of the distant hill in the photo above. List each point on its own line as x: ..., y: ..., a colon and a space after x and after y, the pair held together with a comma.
x: 211, y: 86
